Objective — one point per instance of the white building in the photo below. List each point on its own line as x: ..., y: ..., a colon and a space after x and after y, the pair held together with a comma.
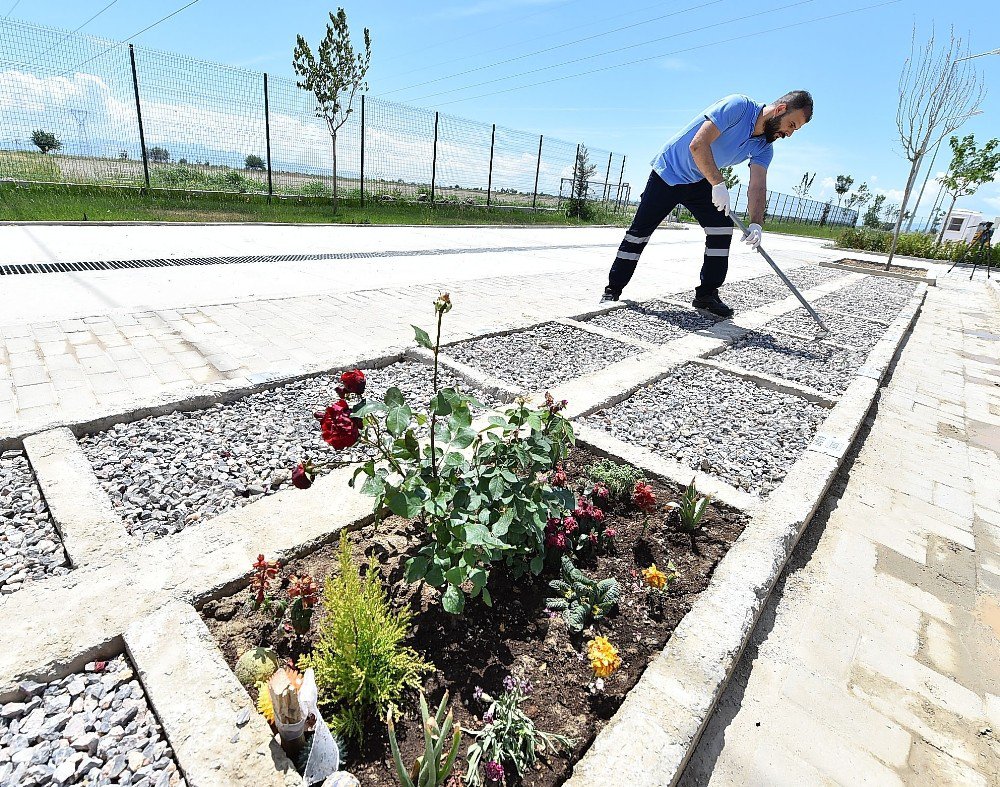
x: 960, y: 225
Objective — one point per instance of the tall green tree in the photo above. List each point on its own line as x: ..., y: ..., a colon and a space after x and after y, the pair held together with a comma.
x: 843, y: 185
x: 970, y: 168
x: 334, y: 76
x: 583, y: 171
x: 873, y: 216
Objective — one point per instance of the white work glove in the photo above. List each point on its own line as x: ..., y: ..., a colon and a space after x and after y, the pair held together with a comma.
x: 720, y: 197
x: 752, y: 236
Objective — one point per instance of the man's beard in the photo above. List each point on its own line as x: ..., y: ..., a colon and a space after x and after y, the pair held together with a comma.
x: 772, y: 128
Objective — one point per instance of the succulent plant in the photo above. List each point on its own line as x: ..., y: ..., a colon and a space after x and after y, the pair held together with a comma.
x: 433, y: 767
x: 256, y: 665
x: 580, y: 597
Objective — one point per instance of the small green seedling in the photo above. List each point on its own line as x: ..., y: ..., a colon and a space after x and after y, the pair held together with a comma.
x: 691, y: 508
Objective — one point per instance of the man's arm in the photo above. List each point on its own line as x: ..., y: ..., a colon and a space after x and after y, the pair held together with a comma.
x: 701, y: 151
x: 757, y: 194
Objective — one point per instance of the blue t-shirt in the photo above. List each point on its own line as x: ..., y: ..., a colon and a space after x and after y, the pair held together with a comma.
x: 735, y: 116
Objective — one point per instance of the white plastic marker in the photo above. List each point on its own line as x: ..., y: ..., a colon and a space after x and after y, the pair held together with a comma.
x: 740, y: 225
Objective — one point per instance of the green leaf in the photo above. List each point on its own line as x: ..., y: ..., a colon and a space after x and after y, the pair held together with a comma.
x: 462, y: 417
x: 537, y: 562
x: 464, y: 438
x: 416, y: 568
x: 373, y: 486
x: 394, y: 398
x: 478, y: 577
x: 502, y: 525
x: 434, y: 576
x: 398, y: 419
x: 422, y: 337
x: 369, y: 407
x: 454, y: 459
x: 406, y: 505
x: 487, y: 598
x: 440, y: 404
x: 455, y: 575
x: 453, y: 600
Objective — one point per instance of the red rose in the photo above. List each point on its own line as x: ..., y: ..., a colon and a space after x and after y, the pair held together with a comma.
x: 301, y: 478
x: 643, y: 497
x: 597, y: 515
x: 354, y: 381
x: 339, y: 429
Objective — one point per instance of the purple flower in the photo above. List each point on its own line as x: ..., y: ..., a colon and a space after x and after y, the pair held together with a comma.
x: 526, y: 688
x: 488, y: 716
x: 494, y: 771
x: 477, y: 693
x: 509, y: 683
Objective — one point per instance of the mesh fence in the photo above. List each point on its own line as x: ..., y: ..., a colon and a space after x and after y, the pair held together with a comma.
x: 212, y: 127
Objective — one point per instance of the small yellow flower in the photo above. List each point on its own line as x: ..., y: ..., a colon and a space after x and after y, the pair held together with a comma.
x: 604, y: 658
x: 655, y: 578
x: 264, y: 706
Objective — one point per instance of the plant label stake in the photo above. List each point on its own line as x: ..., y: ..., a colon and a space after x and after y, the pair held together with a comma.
x: 812, y: 312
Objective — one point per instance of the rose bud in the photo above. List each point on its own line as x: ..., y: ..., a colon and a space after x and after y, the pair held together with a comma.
x: 354, y: 381
x: 301, y: 478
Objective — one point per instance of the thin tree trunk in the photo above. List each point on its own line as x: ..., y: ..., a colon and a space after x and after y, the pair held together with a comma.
x: 333, y: 137
x: 944, y: 222
x: 902, y: 210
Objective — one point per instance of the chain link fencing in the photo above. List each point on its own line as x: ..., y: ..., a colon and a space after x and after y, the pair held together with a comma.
x: 130, y: 116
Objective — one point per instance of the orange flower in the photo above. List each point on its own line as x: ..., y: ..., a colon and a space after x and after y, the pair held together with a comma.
x: 655, y: 578
x: 604, y: 658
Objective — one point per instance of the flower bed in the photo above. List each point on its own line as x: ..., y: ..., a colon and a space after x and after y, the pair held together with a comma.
x: 485, y: 645
x: 845, y: 329
x: 716, y: 422
x: 30, y: 546
x: 540, y: 357
x: 167, y: 472
x: 806, y: 361
x: 653, y: 321
x: 91, y: 727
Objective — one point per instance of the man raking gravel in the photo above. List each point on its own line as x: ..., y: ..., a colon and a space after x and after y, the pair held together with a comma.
x: 687, y: 172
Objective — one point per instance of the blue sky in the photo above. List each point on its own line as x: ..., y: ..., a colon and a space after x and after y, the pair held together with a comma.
x: 621, y: 77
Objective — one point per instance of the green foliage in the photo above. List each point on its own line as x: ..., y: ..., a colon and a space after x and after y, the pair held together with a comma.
x: 842, y: 186
x: 912, y: 244
x: 579, y: 207
x: 729, y: 177
x: 482, y: 494
x: 177, y: 176
x: 29, y: 165
x: 805, y: 185
x: 314, y: 188
x: 253, y: 161
x: 358, y: 659
x: 582, y: 598
x: 429, y: 770
x: 509, y: 737
x: 872, y: 217
x: 158, y: 155
x: 970, y: 166
x: 45, y: 140
x: 691, y: 508
x: 619, y: 479
x: 860, y: 197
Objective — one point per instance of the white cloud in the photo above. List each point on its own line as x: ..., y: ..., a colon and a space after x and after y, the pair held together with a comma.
x: 676, y: 64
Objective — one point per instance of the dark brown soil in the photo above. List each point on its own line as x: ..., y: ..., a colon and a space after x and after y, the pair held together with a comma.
x: 880, y: 266
x: 483, y: 645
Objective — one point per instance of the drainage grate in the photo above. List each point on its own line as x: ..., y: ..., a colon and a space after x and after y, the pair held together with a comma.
x: 69, y: 267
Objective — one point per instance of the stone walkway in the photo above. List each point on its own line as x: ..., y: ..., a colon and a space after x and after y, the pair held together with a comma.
x: 877, y: 659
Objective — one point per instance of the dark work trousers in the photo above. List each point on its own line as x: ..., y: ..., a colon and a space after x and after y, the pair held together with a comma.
x: 655, y: 204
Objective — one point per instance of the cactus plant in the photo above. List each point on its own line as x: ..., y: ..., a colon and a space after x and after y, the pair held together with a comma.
x: 256, y: 665
x: 429, y: 770
x: 580, y: 597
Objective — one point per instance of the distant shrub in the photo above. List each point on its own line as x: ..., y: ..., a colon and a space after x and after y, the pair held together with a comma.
x: 315, y: 188
x: 254, y: 162
x: 911, y: 244
x: 158, y: 155
x: 45, y: 140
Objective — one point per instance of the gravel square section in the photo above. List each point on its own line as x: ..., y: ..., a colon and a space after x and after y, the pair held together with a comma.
x: 657, y: 322
x: 875, y: 297
x: 167, y: 472
x: 806, y: 276
x: 844, y: 328
x: 750, y: 293
x: 718, y: 423
x: 30, y: 546
x: 808, y: 362
x: 541, y: 357
x: 90, y: 728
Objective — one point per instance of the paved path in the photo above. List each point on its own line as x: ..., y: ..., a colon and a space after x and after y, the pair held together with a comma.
x: 76, y: 345
x: 877, y: 660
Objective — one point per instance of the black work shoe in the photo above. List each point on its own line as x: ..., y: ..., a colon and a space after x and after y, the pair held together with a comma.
x: 609, y: 295
x: 713, y: 305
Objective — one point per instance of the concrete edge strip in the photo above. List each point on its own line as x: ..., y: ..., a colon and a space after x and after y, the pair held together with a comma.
x: 202, y: 705
x: 928, y: 279
x: 606, y: 445
x: 658, y: 726
x: 80, y: 508
x: 771, y: 382
x: 97, y: 603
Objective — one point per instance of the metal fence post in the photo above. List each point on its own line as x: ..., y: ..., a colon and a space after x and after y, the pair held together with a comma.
x: 607, y: 177
x: 434, y: 161
x: 621, y: 177
x: 362, y: 150
x: 138, y: 112
x: 538, y: 169
x: 489, y: 178
x: 576, y: 162
x: 267, y: 139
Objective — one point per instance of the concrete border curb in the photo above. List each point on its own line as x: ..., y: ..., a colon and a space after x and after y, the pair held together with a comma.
x: 841, y: 266
x: 80, y: 508
x: 198, y: 701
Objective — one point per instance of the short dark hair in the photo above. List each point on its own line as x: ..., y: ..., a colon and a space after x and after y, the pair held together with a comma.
x: 798, y: 99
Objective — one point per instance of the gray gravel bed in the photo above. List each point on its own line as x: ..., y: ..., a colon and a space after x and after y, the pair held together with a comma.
x: 541, y: 357
x: 718, y: 423
x: 808, y: 362
x: 90, y: 728
x: 30, y: 546
x: 806, y: 276
x: 167, y: 472
x: 655, y: 321
x: 844, y: 328
x: 875, y: 297
x: 748, y: 294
